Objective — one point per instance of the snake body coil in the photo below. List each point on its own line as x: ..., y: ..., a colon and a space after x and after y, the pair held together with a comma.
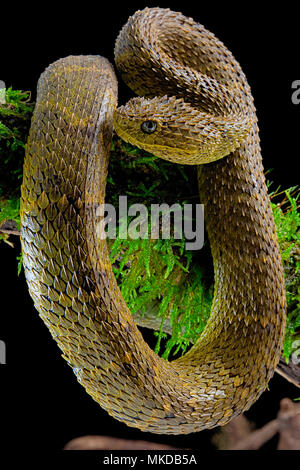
x: 200, y: 102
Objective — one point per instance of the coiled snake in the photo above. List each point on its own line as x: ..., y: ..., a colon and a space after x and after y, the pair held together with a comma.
x: 196, y: 107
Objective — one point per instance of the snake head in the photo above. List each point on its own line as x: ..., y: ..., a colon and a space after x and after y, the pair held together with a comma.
x: 175, y: 131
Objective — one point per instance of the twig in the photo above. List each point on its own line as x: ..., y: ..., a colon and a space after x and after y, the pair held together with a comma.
x: 290, y: 371
x: 289, y: 416
x: 10, y: 232
x: 287, y: 424
x: 236, y: 435
x: 257, y: 438
x: 112, y: 443
x: 9, y: 227
x: 237, y: 429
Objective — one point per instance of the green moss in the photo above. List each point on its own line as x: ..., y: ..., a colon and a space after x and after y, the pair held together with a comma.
x: 159, y: 271
x: 15, y: 117
x: 287, y: 220
x: 10, y: 210
x: 179, y: 281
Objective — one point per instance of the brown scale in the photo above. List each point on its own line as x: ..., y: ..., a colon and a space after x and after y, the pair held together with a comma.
x: 67, y: 266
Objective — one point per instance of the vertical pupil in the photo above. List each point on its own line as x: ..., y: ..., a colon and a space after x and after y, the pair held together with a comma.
x: 148, y: 126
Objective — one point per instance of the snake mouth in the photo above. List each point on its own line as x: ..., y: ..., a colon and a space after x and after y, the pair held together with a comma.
x: 129, y: 137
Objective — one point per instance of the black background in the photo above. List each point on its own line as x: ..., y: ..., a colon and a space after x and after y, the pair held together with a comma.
x: 42, y: 405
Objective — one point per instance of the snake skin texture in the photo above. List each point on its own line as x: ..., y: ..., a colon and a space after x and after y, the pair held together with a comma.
x: 196, y: 93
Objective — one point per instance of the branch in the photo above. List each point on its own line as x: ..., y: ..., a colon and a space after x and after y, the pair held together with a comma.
x: 237, y: 429
x: 9, y: 227
x: 290, y: 371
x: 112, y: 443
x: 287, y: 424
x: 10, y: 232
x: 257, y: 438
x: 289, y: 416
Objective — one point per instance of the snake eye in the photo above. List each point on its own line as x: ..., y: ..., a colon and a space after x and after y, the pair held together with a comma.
x: 149, y: 127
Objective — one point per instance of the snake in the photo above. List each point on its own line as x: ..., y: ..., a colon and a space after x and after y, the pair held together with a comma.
x: 193, y: 106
